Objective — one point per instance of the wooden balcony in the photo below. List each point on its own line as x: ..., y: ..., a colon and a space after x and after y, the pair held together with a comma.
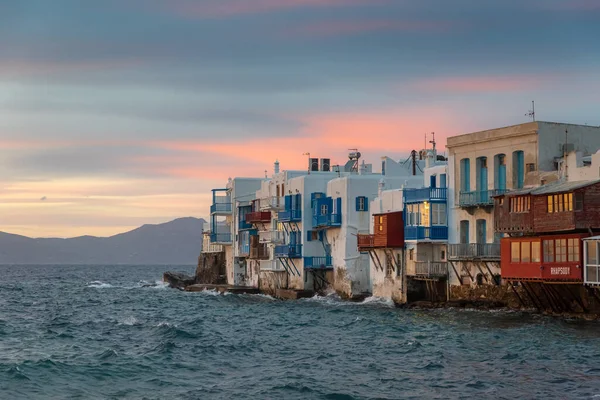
x: 365, y: 242
x: 259, y: 252
x: 258, y: 217
x: 431, y: 269
x: 277, y: 237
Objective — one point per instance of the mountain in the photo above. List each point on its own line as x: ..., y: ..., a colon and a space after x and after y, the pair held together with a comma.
x: 175, y: 242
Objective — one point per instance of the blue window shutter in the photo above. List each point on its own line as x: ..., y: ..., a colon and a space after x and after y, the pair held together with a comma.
x: 298, y: 201
x: 288, y: 202
x: 432, y: 181
x: 443, y: 180
x: 366, y: 203
x: 358, y: 203
x: 308, y: 236
x: 338, y: 204
x: 321, y: 235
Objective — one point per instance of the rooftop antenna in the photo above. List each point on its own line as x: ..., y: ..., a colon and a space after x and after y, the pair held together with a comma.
x: 425, y: 142
x: 531, y: 113
x: 266, y: 174
x: 432, y: 141
x: 307, y: 154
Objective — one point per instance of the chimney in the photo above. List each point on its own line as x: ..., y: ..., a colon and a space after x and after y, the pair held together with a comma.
x: 276, y: 167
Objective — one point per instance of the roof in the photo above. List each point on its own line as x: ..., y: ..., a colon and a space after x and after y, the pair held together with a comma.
x: 592, y: 238
x: 554, y: 187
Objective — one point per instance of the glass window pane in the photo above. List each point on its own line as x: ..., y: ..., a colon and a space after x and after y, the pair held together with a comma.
x: 550, y: 208
x: 592, y: 273
x: 514, y: 252
x: 548, y: 250
x: 570, y: 201
x: 525, y: 252
x: 535, y: 251
x: 592, y: 254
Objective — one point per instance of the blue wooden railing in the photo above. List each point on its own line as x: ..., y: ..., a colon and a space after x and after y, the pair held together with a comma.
x: 426, y: 232
x: 318, y: 262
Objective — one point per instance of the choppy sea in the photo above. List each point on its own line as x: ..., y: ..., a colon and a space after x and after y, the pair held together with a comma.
x: 116, y: 332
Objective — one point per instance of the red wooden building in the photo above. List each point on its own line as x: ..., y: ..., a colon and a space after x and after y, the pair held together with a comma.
x: 555, y: 207
x: 388, y: 232
x: 551, y: 258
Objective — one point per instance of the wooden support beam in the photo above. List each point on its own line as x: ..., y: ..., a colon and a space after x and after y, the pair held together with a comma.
x: 516, y: 293
x: 576, y: 298
x: 497, y: 282
x: 482, y: 274
x: 532, y: 296
x: 468, y: 272
x: 547, y: 296
x: 456, y: 272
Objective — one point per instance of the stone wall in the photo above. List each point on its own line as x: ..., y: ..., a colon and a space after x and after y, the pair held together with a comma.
x: 211, y: 269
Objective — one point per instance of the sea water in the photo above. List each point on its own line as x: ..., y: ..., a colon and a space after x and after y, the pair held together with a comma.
x: 118, y: 332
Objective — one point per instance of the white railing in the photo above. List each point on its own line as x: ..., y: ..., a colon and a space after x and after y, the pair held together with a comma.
x: 272, y: 203
x: 271, y: 237
x: 271, y: 265
x: 431, y: 268
x: 208, y: 247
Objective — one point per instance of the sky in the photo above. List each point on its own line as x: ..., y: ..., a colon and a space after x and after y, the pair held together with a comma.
x: 117, y: 113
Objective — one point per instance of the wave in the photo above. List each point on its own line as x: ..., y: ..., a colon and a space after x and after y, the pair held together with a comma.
x: 378, y: 301
x: 130, y: 321
x: 99, y: 285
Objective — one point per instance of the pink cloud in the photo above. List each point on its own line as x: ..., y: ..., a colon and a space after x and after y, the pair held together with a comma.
x: 468, y: 84
x: 228, y: 8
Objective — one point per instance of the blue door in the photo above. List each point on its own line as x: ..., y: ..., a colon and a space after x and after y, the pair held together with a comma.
x: 432, y: 181
x: 465, y: 175
x: 443, y: 180
x: 518, y: 169
x: 481, y: 231
x: 502, y: 178
x: 482, y: 179
x: 464, y: 231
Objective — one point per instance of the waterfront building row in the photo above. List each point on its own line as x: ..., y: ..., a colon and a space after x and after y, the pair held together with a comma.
x: 423, y: 227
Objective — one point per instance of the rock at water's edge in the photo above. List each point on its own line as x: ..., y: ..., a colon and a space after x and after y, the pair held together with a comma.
x: 178, y: 280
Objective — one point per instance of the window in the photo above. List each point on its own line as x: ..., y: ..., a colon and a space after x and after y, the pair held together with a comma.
x: 573, y: 249
x: 592, y: 253
x: 561, y: 202
x: 362, y: 203
x: 535, y: 252
x: 520, y: 204
x: 578, y: 201
x: 412, y: 215
x: 525, y: 252
x: 530, y: 167
x: 380, y: 227
x: 465, y: 175
x: 549, y: 251
x: 411, y: 254
x: 561, y: 250
x: 324, y: 210
x: 398, y: 262
x: 424, y: 214
x: 515, y: 255
x: 438, y: 214
x: 312, y: 236
x: 443, y: 255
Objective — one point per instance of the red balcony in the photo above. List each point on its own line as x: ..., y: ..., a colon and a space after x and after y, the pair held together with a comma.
x: 258, y: 217
x: 366, y: 242
x: 259, y: 252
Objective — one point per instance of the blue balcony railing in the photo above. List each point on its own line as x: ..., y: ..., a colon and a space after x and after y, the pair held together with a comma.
x: 426, y: 233
x: 289, y: 216
x: 220, y: 208
x: 327, y: 220
x: 244, y: 249
x: 424, y: 194
x: 288, y: 251
x: 324, y: 262
x: 220, y: 238
x: 479, y: 197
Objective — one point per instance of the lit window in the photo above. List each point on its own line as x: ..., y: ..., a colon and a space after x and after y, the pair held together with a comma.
x: 535, y: 252
x: 525, y: 252
x: 549, y: 251
x: 515, y: 255
x: 573, y: 249
x: 550, y: 206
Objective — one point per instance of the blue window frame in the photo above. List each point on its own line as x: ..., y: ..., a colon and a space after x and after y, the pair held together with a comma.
x: 362, y: 203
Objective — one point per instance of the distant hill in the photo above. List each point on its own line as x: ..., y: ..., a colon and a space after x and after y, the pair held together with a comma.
x: 175, y: 242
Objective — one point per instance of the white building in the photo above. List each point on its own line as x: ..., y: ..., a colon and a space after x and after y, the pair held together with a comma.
x: 228, y: 228
x: 484, y: 164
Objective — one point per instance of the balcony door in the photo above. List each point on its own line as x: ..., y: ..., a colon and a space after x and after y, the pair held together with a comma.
x: 464, y: 232
x: 500, y: 169
x: 482, y: 179
x: 481, y: 231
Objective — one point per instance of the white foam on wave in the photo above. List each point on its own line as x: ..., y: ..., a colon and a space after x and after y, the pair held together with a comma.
x: 130, y: 321
x: 166, y: 325
x: 99, y: 285
x: 378, y: 301
x: 160, y: 285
